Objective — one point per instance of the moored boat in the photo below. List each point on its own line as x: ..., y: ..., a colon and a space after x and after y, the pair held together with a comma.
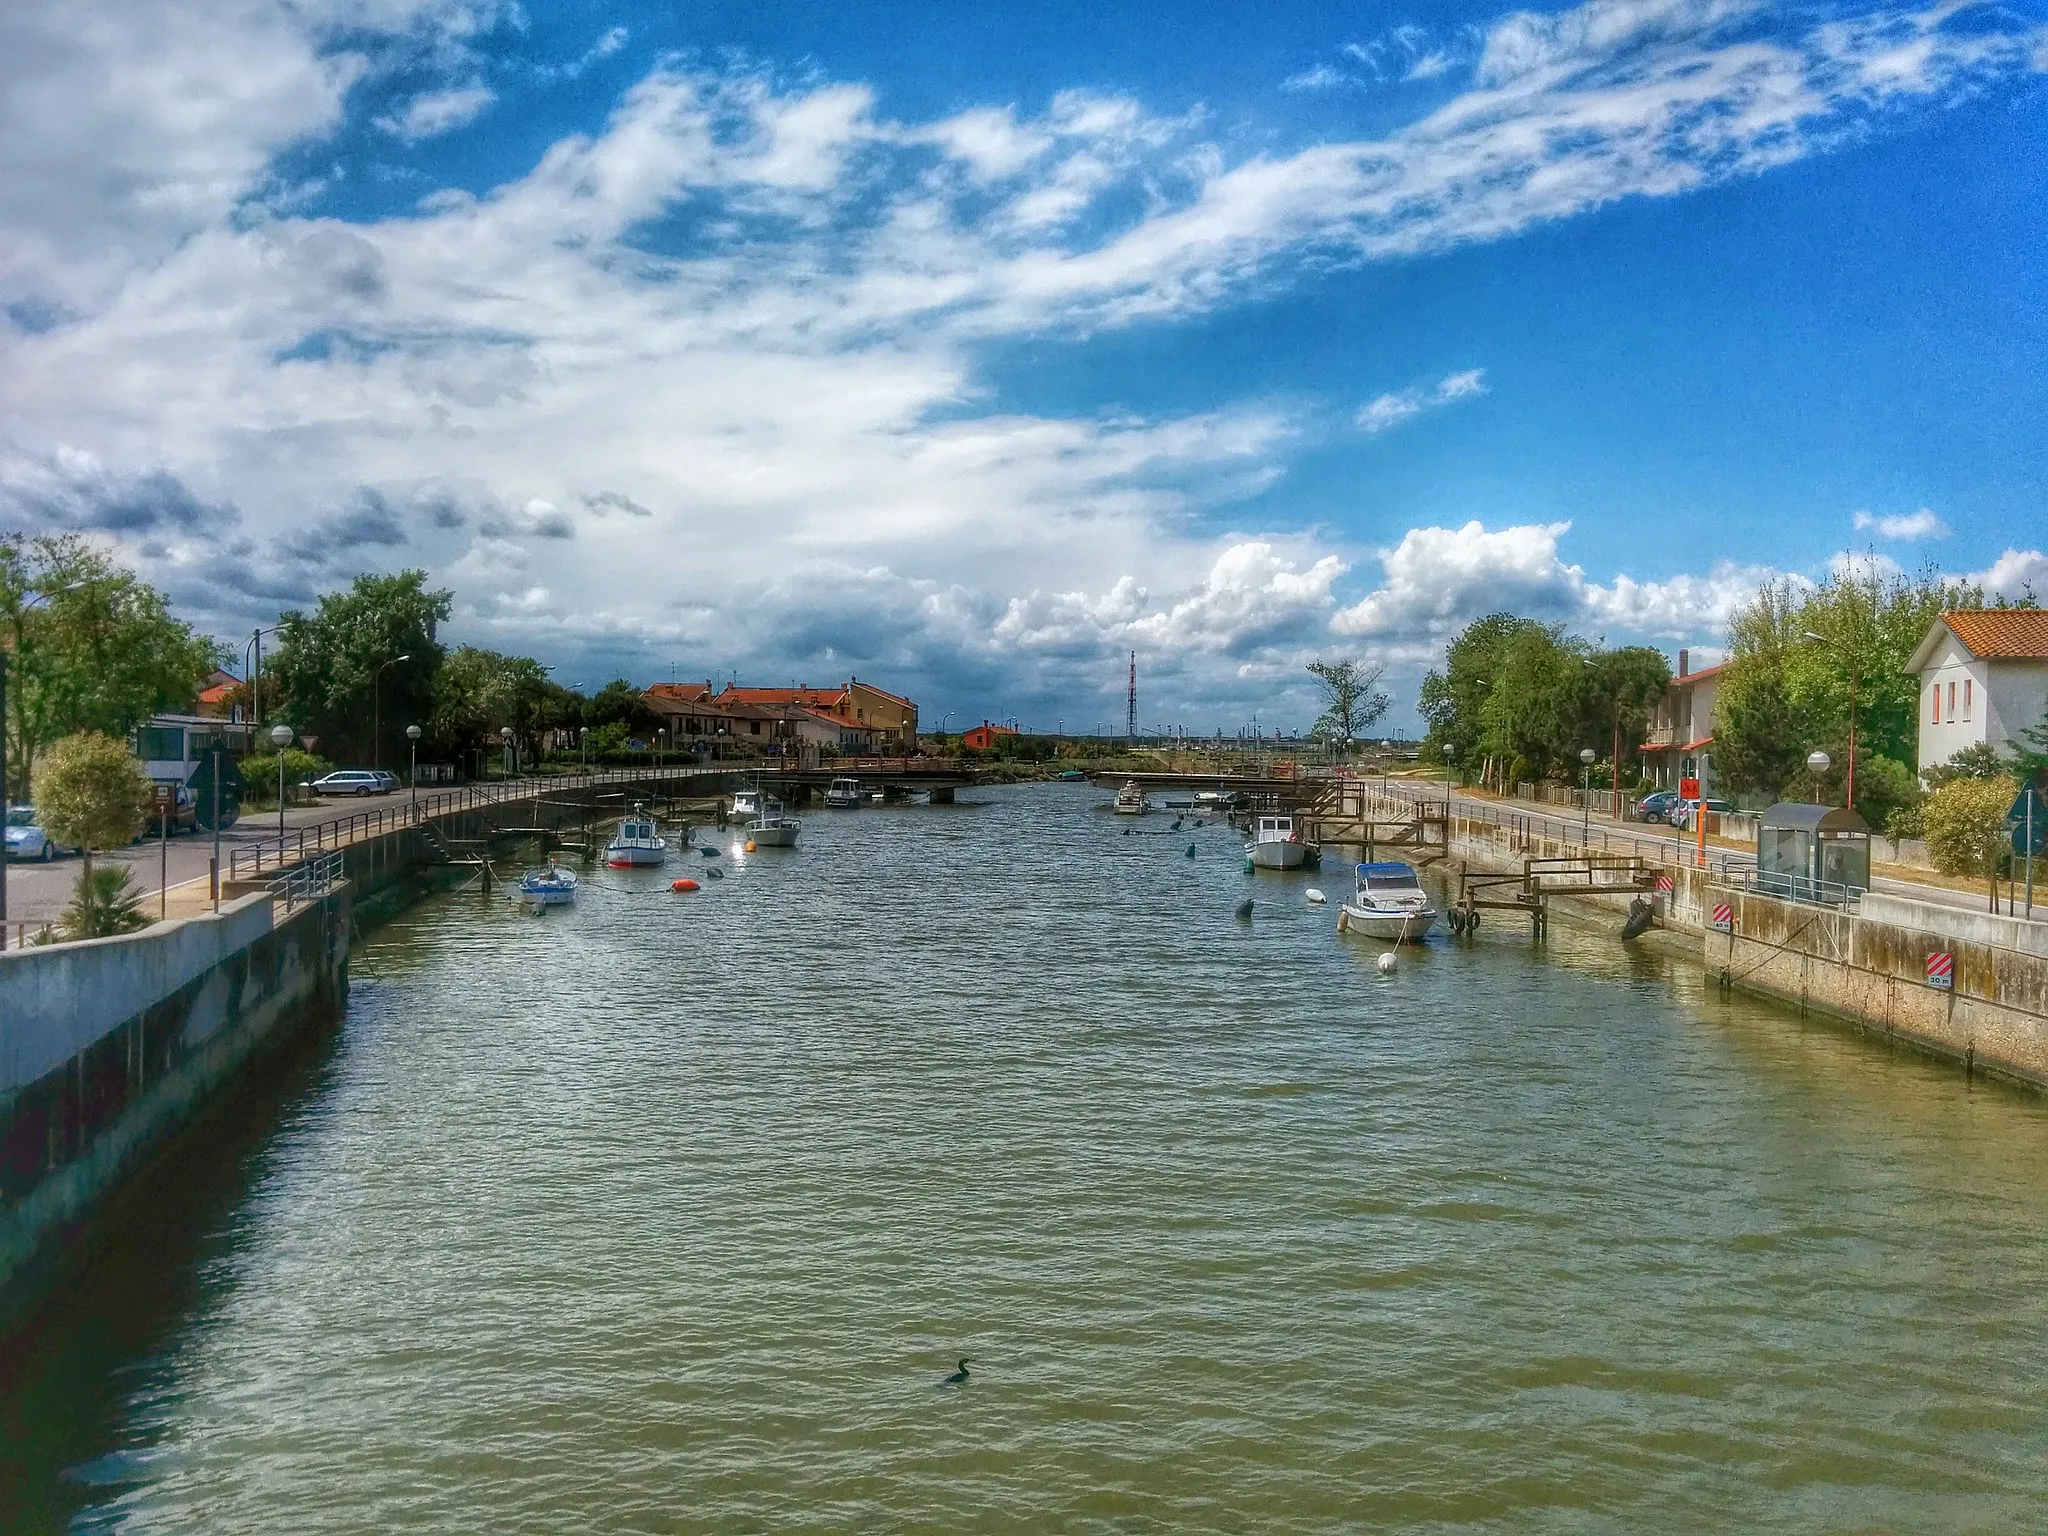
x: 772, y: 829
x: 1130, y: 800
x: 1276, y: 844
x: 844, y: 795
x: 550, y: 885
x: 636, y: 843
x: 746, y: 804
x: 1388, y: 904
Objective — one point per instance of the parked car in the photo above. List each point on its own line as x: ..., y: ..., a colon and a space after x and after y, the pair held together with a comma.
x: 183, y: 819
x: 26, y: 840
x: 386, y: 780
x: 1682, y: 813
x: 349, y: 781
x: 1657, y: 806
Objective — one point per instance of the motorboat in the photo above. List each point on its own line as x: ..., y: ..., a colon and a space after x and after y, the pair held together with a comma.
x: 1214, y: 801
x: 1130, y: 800
x: 746, y: 804
x: 636, y: 843
x: 548, y: 886
x: 1276, y: 844
x: 844, y: 795
x: 1071, y: 776
x: 1389, y: 904
x: 772, y: 829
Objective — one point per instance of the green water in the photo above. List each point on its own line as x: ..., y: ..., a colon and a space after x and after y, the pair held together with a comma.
x: 669, y: 1213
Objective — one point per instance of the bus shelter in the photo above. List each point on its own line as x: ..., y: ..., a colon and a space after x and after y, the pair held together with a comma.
x: 1816, y: 853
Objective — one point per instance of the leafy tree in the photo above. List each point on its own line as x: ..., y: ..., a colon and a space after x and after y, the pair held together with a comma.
x: 479, y: 692
x: 1756, y: 744
x: 1454, y: 700
x: 618, y: 700
x: 92, y: 794
x: 1966, y: 832
x: 93, y: 648
x: 1352, y: 696
x: 1619, y: 691
x: 330, y: 667
x: 259, y: 773
x: 2029, y: 762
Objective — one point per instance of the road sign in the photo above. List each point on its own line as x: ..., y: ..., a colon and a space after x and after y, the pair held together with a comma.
x: 1724, y: 917
x: 2028, y: 821
x: 1664, y: 883
x: 230, y: 791
x: 1941, y: 967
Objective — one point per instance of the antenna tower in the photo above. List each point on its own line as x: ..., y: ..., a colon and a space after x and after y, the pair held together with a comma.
x: 1131, y: 705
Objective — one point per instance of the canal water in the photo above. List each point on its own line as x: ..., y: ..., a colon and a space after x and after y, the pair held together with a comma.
x: 671, y: 1212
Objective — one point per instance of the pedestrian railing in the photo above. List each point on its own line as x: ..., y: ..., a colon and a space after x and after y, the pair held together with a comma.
x: 308, y: 881
x: 1801, y: 888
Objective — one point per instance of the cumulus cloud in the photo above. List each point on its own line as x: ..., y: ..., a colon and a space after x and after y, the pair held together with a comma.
x: 1903, y: 526
x: 2016, y: 574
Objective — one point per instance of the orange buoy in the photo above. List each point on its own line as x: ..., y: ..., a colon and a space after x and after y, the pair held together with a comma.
x: 684, y: 885
x: 750, y: 845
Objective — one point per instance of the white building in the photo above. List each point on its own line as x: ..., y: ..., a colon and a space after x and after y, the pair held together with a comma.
x: 1983, y: 677
x: 1681, y: 733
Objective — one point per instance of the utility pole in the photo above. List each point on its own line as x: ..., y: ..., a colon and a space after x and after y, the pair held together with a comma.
x: 1131, y: 706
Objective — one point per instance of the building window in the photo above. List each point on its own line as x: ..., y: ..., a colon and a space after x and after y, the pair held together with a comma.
x: 160, y: 744
x: 1968, y: 686
x: 1934, y: 694
x: 1951, y: 701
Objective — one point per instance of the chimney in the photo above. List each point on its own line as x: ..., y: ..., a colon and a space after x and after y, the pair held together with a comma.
x: 1684, y: 661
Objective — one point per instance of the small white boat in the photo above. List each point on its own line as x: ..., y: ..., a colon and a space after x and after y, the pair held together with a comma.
x: 548, y: 886
x: 1215, y: 801
x: 746, y: 804
x: 1130, y: 800
x: 772, y: 829
x: 1389, y: 904
x: 636, y: 843
x: 844, y: 795
x: 1276, y: 844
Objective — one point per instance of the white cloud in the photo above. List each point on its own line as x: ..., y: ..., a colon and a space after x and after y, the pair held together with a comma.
x: 1390, y: 410
x: 1903, y: 525
x: 2015, y: 574
x: 1320, y: 78
x: 437, y: 112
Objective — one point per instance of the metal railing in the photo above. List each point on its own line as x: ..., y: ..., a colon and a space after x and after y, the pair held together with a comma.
x: 1803, y: 888
x: 298, y: 844
x: 308, y: 881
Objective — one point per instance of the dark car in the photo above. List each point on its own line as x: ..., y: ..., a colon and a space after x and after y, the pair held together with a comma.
x: 1658, y: 806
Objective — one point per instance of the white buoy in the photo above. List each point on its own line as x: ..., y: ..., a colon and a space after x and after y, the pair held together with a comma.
x: 1386, y: 963
x: 1315, y: 897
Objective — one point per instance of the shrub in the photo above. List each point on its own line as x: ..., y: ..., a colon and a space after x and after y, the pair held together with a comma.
x: 259, y: 773
x: 103, y: 903
x: 1965, y: 822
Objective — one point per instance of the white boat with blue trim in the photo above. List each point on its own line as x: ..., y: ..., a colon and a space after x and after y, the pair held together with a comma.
x: 548, y: 886
x: 1388, y: 904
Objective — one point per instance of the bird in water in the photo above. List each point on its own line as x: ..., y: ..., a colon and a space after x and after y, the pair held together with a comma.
x: 958, y: 1378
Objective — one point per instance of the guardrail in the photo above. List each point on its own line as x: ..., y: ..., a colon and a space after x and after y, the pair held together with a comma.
x: 298, y: 844
x: 1800, y: 888
x: 308, y: 881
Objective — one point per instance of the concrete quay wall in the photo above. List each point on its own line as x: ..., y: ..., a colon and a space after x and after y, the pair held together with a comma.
x: 110, y: 1048
x: 1872, y: 972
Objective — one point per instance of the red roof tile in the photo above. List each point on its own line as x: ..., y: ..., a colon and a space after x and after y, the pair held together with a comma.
x: 2003, y: 634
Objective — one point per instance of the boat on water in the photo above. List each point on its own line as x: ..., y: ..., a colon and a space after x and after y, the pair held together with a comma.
x: 1071, y: 776
x: 844, y: 795
x: 772, y: 829
x: 550, y: 885
x: 746, y: 804
x: 1389, y: 904
x: 636, y: 843
x: 1130, y: 800
x: 1277, y: 844
x: 1216, y: 801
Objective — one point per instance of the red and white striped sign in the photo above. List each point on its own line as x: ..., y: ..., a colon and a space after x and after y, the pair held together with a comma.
x: 1941, y: 968
x: 1724, y: 917
x: 1663, y: 882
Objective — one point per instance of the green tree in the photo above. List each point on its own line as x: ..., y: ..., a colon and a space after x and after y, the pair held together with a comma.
x: 618, y: 700
x: 479, y: 692
x: 330, y: 669
x: 91, y: 648
x: 2030, y: 761
x: 1352, y: 697
x: 92, y: 794
x: 1454, y: 699
x: 1966, y: 831
x: 1618, y: 691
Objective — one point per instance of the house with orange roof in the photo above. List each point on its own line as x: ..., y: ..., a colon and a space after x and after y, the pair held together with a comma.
x: 889, y: 719
x: 215, y: 699
x: 1681, y: 733
x: 1983, y: 679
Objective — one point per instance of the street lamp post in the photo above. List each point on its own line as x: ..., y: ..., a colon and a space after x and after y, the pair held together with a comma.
x: 1849, y: 772
x: 280, y: 737
x: 412, y: 740
x: 377, y: 710
x: 505, y: 735
x: 1817, y: 763
x: 1586, y: 756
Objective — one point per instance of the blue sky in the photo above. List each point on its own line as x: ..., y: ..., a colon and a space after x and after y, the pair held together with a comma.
x: 970, y: 348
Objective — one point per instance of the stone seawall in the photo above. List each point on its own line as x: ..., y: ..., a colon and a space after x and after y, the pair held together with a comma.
x: 109, y: 1048
x: 1873, y: 973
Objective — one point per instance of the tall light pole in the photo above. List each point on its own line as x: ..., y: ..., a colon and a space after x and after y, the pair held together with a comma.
x: 280, y: 737
x: 1849, y: 782
x: 1586, y: 756
x: 412, y: 739
x: 254, y: 672
x: 1818, y: 763
x: 505, y: 735
x: 42, y: 596
x: 377, y: 710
